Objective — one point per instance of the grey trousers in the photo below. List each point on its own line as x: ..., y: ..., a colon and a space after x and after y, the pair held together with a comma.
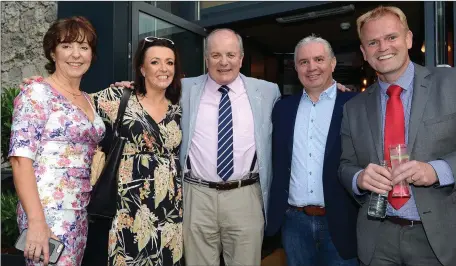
x: 229, y: 222
x: 403, y: 246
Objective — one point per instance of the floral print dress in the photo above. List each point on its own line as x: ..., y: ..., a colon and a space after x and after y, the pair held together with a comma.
x: 61, y: 140
x: 147, y: 229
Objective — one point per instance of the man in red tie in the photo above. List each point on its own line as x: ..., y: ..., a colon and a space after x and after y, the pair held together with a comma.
x: 412, y: 105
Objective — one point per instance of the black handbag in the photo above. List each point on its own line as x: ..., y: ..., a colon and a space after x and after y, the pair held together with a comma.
x: 103, y: 202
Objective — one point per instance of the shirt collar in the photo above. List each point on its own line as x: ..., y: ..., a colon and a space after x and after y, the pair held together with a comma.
x: 234, y: 86
x: 404, y: 81
x: 328, y: 93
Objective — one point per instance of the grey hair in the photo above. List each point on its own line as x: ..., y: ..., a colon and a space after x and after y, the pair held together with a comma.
x: 310, y: 39
x: 206, y: 43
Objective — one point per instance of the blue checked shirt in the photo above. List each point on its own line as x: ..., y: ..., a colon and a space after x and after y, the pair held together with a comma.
x: 443, y: 170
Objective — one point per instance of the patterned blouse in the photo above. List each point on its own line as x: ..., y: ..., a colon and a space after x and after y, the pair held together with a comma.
x: 60, y: 140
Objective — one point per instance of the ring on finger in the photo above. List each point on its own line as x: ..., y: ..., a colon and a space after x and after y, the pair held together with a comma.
x: 31, y: 253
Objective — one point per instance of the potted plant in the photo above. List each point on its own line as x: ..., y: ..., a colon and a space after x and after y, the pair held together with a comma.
x: 10, y: 231
x: 9, y: 199
x: 7, y: 105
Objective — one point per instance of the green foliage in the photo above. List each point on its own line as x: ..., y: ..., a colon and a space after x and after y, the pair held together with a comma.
x: 7, y: 105
x: 10, y: 231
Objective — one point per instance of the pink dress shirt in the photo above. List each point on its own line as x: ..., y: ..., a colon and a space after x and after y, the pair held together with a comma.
x: 203, y: 147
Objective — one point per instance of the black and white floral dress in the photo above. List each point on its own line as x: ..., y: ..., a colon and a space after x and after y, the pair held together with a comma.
x: 147, y: 229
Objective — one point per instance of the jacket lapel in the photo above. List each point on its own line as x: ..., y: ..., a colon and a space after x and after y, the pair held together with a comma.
x: 255, y: 99
x: 373, y: 110
x: 294, y: 106
x: 334, y: 128
x: 195, y: 98
x: 421, y: 89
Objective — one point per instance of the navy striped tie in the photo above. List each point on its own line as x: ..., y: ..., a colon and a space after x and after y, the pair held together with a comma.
x: 225, y: 165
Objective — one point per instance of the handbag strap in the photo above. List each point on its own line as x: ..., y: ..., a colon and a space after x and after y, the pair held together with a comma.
x: 120, y: 113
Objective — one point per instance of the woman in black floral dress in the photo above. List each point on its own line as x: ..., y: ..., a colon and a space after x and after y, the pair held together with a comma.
x: 147, y: 229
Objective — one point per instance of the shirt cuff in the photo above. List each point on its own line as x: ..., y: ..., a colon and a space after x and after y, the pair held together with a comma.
x: 355, y: 185
x: 445, y: 176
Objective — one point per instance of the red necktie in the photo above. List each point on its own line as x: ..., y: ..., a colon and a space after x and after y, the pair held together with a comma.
x: 394, y: 132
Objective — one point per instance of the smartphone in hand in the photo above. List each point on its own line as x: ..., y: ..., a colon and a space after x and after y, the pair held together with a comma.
x: 55, y: 247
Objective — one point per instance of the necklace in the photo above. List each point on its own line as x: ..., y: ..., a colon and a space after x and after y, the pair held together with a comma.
x: 72, y: 93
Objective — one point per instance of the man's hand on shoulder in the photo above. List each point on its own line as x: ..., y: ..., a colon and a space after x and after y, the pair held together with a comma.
x: 342, y: 88
x: 125, y: 84
x: 29, y: 80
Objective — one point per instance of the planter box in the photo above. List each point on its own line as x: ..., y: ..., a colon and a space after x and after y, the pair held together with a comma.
x: 7, y: 179
x: 7, y: 173
x: 13, y: 259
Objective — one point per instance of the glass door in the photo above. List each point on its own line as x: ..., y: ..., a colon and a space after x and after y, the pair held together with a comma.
x: 148, y: 20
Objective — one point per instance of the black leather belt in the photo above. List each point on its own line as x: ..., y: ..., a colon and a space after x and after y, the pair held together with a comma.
x: 223, y: 185
x: 249, y: 179
x: 402, y: 221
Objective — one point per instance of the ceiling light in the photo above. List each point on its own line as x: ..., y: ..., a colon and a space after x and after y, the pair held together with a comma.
x: 345, y: 25
x: 316, y: 14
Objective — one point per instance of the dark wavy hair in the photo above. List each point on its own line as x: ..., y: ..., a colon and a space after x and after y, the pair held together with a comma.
x: 173, y: 92
x: 68, y: 30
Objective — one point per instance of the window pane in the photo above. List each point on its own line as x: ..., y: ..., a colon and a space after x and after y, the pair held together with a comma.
x: 188, y: 44
x: 209, y: 4
x: 187, y: 10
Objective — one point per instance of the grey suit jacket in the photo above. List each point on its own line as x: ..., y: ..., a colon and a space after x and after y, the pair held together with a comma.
x: 262, y: 96
x: 432, y: 136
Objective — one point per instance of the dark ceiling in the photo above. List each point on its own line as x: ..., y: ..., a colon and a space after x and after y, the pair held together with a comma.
x: 274, y: 37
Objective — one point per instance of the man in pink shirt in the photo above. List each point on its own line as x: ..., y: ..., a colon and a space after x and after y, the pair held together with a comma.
x: 226, y: 157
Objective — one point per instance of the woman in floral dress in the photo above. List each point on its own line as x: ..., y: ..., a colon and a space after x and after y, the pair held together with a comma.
x: 147, y: 229
x: 54, y: 133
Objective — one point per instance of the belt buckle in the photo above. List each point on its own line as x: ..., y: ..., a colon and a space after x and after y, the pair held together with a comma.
x: 239, y: 183
x: 412, y: 223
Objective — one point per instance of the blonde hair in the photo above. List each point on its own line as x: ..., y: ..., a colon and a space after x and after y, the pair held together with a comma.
x: 379, y: 12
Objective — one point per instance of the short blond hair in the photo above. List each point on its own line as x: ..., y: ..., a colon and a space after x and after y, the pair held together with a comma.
x: 379, y: 12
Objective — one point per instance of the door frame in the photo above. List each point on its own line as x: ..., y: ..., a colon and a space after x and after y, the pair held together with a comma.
x: 162, y: 15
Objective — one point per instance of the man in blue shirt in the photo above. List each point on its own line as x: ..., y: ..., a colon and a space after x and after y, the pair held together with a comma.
x: 418, y: 106
x: 316, y: 214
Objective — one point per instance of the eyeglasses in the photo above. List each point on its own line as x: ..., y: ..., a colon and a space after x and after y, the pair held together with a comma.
x: 153, y: 38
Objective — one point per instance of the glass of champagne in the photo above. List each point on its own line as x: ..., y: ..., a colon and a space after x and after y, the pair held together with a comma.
x: 398, y: 156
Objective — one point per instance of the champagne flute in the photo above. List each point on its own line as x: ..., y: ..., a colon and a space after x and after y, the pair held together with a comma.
x: 398, y: 156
